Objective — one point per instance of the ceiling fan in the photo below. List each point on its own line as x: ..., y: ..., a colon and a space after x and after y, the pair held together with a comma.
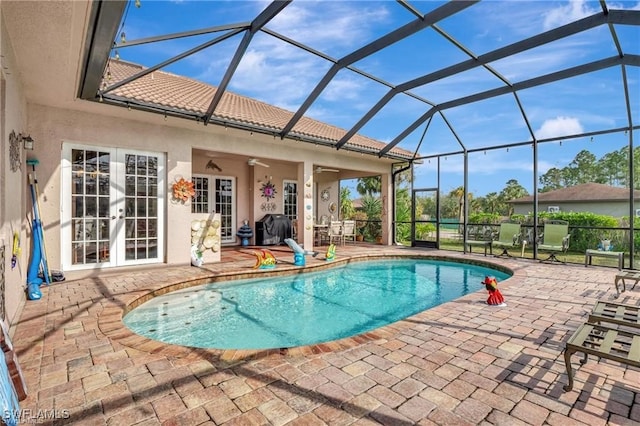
x: 324, y: 169
x: 253, y: 162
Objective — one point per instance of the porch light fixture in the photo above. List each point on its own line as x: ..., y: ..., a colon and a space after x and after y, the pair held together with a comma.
x: 27, y: 141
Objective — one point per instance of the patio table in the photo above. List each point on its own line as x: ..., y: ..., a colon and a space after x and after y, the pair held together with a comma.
x: 615, y: 313
x: 604, y: 342
x: 626, y: 275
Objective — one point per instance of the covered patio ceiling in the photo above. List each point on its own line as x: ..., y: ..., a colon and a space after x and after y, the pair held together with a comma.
x: 591, y: 46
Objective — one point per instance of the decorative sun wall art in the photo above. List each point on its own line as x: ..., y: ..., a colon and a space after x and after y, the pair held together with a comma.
x: 183, y: 190
x: 268, y: 190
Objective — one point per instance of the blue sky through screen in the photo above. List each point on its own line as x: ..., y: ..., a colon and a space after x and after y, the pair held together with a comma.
x: 283, y: 75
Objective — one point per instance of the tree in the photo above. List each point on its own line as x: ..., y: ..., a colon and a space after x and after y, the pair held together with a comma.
x: 612, y: 172
x: 553, y: 179
x: 346, y: 205
x: 403, y: 215
x: 369, y: 185
x: 583, y: 168
x: 512, y: 191
x: 372, y: 206
x: 610, y: 169
x: 459, y: 194
x: 491, y: 202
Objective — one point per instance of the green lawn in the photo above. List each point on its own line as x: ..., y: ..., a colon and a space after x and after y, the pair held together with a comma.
x: 570, y: 257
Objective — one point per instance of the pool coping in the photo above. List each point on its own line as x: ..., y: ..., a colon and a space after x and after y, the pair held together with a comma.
x: 110, y: 319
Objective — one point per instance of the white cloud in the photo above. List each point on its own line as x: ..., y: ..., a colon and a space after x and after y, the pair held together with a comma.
x: 559, y: 126
x: 283, y: 75
x: 574, y: 10
x: 324, y: 25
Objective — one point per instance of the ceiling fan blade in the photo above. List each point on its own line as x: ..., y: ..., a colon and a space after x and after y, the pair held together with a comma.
x: 253, y: 162
x: 323, y: 169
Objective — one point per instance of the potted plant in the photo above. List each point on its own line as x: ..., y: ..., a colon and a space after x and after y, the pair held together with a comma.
x: 361, y: 221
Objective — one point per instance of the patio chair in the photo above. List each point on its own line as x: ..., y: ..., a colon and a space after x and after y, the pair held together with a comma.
x: 335, y: 232
x: 479, y: 236
x: 321, y: 230
x: 555, y: 239
x: 508, y: 237
x: 349, y: 230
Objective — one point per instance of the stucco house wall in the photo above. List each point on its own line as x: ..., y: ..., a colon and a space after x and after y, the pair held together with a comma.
x: 611, y: 208
x: 51, y: 127
x: 591, y: 197
x: 14, y: 192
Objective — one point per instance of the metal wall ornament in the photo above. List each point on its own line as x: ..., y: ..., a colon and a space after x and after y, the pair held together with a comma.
x: 268, y: 207
x: 268, y: 190
x: 14, y: 152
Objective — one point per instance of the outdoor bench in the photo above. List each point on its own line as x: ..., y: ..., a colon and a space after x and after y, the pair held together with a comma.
x: 486, y: 244
x: 604, y: 253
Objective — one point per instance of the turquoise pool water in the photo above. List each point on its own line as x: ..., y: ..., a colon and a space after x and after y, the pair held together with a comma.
x: 304, y: 309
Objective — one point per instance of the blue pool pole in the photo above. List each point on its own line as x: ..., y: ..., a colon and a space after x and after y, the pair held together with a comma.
x: 33, y: 281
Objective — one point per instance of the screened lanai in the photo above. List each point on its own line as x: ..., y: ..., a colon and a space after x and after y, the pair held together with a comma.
x: 501, y: 103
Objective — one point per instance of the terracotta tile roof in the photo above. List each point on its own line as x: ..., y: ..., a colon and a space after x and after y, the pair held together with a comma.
x: 589, y: 192
x: 176, y: 92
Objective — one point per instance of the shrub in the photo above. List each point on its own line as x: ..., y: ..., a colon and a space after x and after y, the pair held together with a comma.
x: 587, y: 229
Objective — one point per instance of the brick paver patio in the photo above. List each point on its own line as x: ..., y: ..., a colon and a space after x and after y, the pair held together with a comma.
x: 461, y: 363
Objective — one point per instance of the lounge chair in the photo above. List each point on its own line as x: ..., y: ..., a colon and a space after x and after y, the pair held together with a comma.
x: 555, y: 239
x: 508, y: 237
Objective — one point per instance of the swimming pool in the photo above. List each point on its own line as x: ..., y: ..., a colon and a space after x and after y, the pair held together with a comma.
x: 305, y: 308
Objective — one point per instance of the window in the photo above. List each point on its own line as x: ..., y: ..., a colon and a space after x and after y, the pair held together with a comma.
x: 290, y: 199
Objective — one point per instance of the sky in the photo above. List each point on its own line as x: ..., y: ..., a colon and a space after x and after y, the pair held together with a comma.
x: 283, y: 75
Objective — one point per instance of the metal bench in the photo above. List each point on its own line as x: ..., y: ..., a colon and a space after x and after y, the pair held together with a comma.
x: 590, y: 253
x: 604, y: 342
x: 626, y: 275
x: 486, y: 244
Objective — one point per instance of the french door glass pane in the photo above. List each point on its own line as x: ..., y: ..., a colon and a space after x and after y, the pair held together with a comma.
x: 200, y: 202
x: 291, y: 200
x: 141, y: 206
x: 90, y: 176
x: 224, y: 205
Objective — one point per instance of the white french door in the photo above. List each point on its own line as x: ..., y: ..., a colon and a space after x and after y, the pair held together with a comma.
x: 217, y: 194
x: 112, y: 207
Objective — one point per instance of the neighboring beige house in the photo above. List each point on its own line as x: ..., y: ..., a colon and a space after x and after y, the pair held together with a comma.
x: 106, y: 173
x: 589, y: 197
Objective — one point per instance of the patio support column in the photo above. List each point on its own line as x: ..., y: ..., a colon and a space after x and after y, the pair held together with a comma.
x: 305, y: 205
x: 386, y: 214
